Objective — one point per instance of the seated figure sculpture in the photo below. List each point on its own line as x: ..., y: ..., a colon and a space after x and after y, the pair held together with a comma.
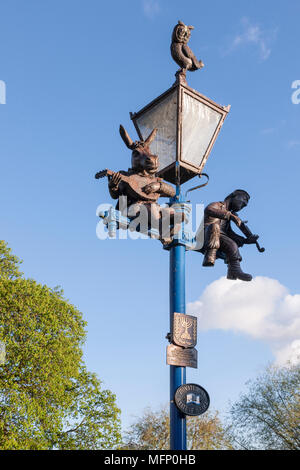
x: 220, y: 241
x: 142, y: 188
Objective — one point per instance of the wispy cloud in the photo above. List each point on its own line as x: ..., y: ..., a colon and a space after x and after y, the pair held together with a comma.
x: 293, y: 143
x: 151, y: 8
x: 253, y: 35
x: 263, y: 309
x: 268, y: 130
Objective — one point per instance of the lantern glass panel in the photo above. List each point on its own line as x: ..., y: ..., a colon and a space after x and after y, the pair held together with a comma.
x: 162, y: 116
x: 199, y: 124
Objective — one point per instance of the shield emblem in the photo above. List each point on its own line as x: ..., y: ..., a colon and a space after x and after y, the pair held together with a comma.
x: 184, y: 331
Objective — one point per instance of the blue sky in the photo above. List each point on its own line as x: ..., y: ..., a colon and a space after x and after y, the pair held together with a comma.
x: 73, y: 70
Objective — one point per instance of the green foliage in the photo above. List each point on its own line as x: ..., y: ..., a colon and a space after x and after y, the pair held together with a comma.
x: 268, y: 415
x: 47, y: 398
x: 9, y: 263
x: 151, y: 432
x: 92, y: 420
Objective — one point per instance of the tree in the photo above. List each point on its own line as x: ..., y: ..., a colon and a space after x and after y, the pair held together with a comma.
x: 48, y: 400
x: 9, y: 263
x: 151, y: 432
x: 268, y: 415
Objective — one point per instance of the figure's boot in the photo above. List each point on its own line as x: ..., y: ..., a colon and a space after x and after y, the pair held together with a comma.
x: 210, y: 258
x: 235, y: 272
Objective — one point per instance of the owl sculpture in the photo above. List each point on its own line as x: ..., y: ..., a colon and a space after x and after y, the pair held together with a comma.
x: 181, y: 52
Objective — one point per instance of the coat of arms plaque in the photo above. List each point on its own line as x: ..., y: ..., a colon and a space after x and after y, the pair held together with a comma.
x: 184, y: 330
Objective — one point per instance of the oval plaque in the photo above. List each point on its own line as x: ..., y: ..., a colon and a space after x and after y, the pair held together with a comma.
x: 192, y: 400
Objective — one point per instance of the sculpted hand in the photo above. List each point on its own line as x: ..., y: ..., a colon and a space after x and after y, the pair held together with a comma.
x: 115, y: 181
x: 151, y: 188
x: 236, y: 220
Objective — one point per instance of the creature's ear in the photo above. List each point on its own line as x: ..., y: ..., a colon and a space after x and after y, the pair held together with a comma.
x: 125, y: 137
x: 181, y: 23
x: 191, y: 27
x: 151, y: 137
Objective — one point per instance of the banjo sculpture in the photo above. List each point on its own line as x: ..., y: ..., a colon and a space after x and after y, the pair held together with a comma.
x: 135, y: 184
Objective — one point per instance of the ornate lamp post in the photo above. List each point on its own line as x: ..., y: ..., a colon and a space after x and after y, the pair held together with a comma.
x: 187, y: 124
x: 177, y: 132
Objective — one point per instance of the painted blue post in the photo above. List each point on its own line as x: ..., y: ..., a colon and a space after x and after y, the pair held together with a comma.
x: 177, y: 374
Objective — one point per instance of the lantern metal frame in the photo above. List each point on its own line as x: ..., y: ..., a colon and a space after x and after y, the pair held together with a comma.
x: 180, y: 171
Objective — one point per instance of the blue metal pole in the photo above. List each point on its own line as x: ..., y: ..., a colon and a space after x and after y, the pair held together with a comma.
x: 177, y: 374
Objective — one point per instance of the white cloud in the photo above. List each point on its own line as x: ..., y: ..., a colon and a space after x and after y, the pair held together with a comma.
x: 253, y: 34
x: 151, y: 8
x: 262, y: 309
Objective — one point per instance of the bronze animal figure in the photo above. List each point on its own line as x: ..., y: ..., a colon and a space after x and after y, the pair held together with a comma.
x: 181, y: 52
x: 143, y: 188
x: 141, y: 159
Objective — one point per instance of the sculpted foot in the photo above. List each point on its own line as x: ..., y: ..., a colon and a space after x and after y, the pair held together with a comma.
x: 235, y: 272
x: 242, y: 276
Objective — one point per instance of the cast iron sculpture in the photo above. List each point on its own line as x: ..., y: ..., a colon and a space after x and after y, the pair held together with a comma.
x: 220, y: 241
x: 181, y: 52
x: 142, y: 187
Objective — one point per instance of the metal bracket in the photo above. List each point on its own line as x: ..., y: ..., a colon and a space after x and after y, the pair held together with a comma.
x: 200, y: 186
x: 114, y: 220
